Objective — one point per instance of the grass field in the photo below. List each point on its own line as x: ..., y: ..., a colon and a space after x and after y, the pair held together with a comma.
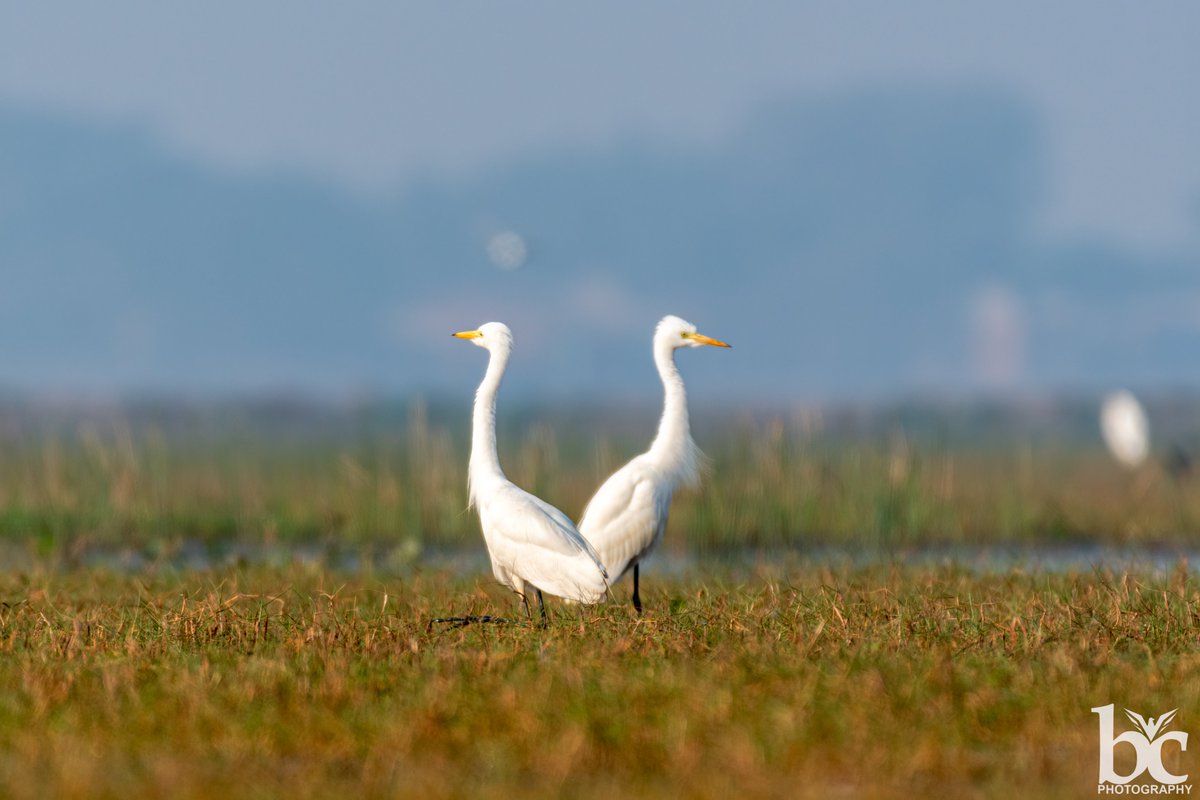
x: 266, y: 664
x: 787, y: 680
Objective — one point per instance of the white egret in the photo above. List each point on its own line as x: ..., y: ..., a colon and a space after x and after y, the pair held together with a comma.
x: 531, y: 543
x: 1125, y: 428
x: 626, y: 518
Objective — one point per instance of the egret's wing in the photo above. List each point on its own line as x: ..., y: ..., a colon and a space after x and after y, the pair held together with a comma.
x: 536, y: 542
x: 520, y: 517
x: 567, y: 530
x: 625, y: 517
x: 533, y: 531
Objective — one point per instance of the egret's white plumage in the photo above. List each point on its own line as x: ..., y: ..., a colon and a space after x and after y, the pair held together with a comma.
x: 626, y: 518
x: 531, y: 543
x: 1125, y: 428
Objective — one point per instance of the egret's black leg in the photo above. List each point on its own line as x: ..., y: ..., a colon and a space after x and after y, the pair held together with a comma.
x: 637, y: 598
x: 542, y: 607
x: 528, y: 613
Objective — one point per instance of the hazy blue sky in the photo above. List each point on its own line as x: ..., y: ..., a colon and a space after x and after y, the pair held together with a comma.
x: 372, y: 94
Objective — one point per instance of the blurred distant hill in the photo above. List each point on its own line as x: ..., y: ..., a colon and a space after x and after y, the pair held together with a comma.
x: 875, y: 242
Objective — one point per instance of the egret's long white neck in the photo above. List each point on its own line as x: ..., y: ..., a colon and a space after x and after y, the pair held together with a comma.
x: 485, y: 462
x: 673, y: 447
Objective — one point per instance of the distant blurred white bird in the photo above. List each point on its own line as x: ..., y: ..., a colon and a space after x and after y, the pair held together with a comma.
x: 626, y: 518
x: 531, y: 543
x: 1125, y: 429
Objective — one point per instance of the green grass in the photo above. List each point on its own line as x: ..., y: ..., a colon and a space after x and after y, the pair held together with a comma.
x: 793, y: 680
x: 402, y: 486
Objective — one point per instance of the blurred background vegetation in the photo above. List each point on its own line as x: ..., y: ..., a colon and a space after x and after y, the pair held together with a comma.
x: 384, y: 483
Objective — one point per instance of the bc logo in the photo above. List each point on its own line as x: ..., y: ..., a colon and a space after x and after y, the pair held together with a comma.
x: 1147, y: 742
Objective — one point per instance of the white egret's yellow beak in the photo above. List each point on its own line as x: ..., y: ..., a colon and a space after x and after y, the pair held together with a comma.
x: 468, y: 334
x: 702, y: 339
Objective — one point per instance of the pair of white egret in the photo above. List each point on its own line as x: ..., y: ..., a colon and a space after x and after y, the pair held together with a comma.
x: 533, y: 545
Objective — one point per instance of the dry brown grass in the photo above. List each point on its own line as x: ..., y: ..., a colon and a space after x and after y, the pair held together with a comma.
x: 781, y: 681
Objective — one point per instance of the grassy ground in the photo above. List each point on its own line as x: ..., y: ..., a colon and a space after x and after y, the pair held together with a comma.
x: 402, y: 485
x: 785, y: 680
x: 271, y: 677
